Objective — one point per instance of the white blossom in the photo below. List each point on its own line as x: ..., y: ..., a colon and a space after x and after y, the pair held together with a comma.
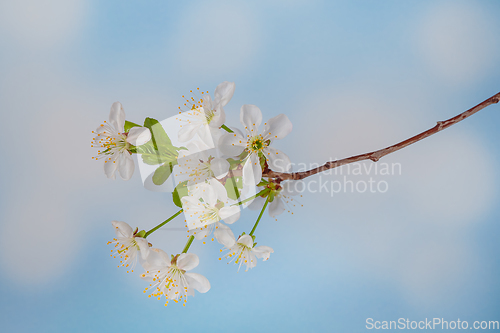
x: 199, y: 166
x: 282, y: 198
x: 256, y: 145
x: 206, y: 114
x: 169, y: 278
x: 115, y: 143
x: 128, y: 245
x: 208, y: 205
x: 242, y: 251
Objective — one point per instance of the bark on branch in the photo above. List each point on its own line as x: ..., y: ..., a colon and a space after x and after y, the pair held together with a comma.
x: 378, y: 154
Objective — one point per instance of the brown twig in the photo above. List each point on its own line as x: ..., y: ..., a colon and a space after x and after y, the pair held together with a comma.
x: 378, y: 154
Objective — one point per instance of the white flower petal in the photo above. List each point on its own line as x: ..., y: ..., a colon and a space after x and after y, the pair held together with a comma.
x: 252, y: 172
x: 198, y: 282
x: 157, y: 258
x: 224, y: 235
x: 200, y: 233
x: 209, y: 195
x: 190, y: 201
x: 219, y: 189
x: 277, y: 160
x: 250, y: 118
x: 125, y: 165
x: 276, y: 207
x: 172, y: 293
x: 205, y: 135
x: 117, y: 117
x: 187, y: 261
x: 208, y: 104
x: 251, y: 261
x: 143, y: 246
x: 103, y: 129
x: 232, y: 144
x: 122, y: 229
x: 219, y: 117
x: 263, y: 252
x: 246, y: 240
x: 277, y: 127
x: 220, y: 167
x: 110, y: 167
x: 224, y: 92
x: 230, y: 214
x: 237, y: 131
x: 216, y: 133
x: 138, y: 135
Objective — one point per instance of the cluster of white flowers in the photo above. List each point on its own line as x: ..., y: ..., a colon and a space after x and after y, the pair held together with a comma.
x: 167, y: 275
x: 218, y: 171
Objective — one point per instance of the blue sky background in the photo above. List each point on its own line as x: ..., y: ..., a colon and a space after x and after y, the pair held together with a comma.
x: 351, y: 76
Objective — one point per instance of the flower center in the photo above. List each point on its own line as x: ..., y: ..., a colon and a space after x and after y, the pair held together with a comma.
x: 174, y: 270
x: 209, y: 115
x: 256, y: 144
x: 119, y: 142
x: 111, y: 142
x: 210, y: 215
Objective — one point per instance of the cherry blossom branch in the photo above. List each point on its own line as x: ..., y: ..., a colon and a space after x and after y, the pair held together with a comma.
x: 162, y: 224
x: 378, y: 154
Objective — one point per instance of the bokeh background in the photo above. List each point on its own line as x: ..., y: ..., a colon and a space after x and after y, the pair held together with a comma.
x: 352, y: 76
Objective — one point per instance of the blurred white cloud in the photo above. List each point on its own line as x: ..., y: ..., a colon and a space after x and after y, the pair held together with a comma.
x: 42, y: 234
x: 458, y: 41
x: 41, y: 23
x: 450, y: 180
x: 39, y: 240
x: 216, y: 38
x: 353, y: 119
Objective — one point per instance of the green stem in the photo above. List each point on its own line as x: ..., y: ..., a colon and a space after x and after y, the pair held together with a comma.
x: 260, y: 216
x: 251, y: 198
x: 226, y: 128
x: 188, y: 244
x: 162, y: 224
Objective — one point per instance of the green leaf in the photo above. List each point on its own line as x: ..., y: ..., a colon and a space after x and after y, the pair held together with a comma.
x: 151, y: 156
x: 159, y: 149
x: 158, y: 134
x: 162, y: 173
x: 129, y: 125
x: 180, y: 191
x: 232, y: 185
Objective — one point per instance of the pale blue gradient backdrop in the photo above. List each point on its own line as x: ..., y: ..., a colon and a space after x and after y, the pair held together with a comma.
x: 352, y: 76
